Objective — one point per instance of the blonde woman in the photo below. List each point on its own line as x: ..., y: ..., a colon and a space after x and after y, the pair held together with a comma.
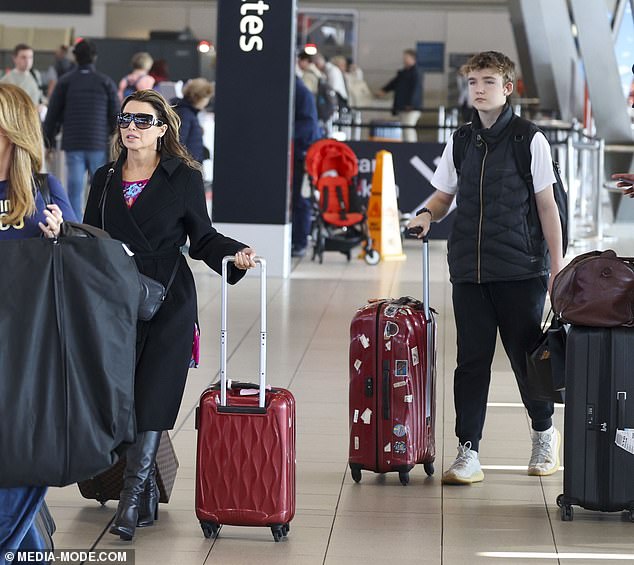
x: 139, y: 78
x: 23, y: 213
x: 152, y: 198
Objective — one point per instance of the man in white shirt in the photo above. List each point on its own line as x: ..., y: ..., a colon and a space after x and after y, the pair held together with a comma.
x: 23, y: 75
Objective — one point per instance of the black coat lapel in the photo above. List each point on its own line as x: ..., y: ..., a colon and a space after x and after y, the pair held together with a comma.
x: 158, y: 194
x: 118, y: 218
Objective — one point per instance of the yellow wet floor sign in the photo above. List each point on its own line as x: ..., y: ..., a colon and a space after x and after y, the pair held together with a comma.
x: 383, y: 215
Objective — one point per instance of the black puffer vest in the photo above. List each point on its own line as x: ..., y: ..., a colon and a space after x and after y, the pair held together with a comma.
x: 495, y: 236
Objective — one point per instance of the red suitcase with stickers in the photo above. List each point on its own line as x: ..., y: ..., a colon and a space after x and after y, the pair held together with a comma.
x: 245, y: 459
x: 392, y: 385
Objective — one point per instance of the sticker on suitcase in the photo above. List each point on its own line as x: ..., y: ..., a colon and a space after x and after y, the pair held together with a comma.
x: 625, y: 439
x: 401, y: 369
x: 365, y: 341
x: 391, y: 329
x: 391, y: 311
x: 400, y: 447
x: 415, y: 358
x: 400, y: 430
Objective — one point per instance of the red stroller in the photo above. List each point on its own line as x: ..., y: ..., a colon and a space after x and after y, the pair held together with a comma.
x: 332, y: 167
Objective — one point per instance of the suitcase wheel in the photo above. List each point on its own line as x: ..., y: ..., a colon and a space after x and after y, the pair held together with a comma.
x: 566, y: 513
x: 210, y: 529
x: 429, y: 469
x: 355, y: 471
x: 565, y: 510
x: 630, y: 514
x: 280, y: 532
x: 403, y: 477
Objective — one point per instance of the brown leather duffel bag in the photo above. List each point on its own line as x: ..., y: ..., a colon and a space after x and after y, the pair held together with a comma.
x: 596, y: 289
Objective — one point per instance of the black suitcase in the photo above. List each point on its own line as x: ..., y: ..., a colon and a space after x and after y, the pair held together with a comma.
x: 599, y: 401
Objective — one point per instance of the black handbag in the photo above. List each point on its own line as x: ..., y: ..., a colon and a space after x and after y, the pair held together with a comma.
x: 153, y: 293
x: 545, y: 363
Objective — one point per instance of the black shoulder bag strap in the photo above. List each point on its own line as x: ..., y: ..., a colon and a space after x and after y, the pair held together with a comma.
x: 41, y: 185
x: 102, y: 208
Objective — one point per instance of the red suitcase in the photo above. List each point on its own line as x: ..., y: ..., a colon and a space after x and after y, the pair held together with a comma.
x: 245, y: 460
x: 392, y: 385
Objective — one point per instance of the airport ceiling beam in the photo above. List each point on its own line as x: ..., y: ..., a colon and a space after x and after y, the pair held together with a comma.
x: 536, y: 63
x: 564, y: 59
x: 596, y: 45
x: 523, y: 50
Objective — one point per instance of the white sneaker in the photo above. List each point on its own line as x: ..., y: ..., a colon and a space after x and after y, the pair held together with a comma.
x: 465, y: 469
x: 545, y: 455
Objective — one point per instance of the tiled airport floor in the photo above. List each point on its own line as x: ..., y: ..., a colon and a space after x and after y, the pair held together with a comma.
x: 509, y: 518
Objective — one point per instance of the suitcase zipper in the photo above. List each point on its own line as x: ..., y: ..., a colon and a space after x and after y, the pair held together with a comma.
x: 58, y: 282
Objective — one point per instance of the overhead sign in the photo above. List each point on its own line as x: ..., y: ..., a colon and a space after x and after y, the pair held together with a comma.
x: 254, y: 101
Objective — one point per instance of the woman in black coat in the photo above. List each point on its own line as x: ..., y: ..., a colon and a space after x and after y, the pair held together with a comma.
x: 152, y: 198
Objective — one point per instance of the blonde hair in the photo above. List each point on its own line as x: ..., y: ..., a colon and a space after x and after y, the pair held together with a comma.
x: 20, y: 122
x: 495, y: 60
x: 170, y: 143
x: 197, y: 89
x: 142, y: 60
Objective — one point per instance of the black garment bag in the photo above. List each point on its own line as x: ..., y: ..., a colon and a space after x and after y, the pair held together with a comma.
x: 68, y: 317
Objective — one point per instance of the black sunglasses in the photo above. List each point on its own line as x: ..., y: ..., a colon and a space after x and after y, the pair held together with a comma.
x: 141, y: 121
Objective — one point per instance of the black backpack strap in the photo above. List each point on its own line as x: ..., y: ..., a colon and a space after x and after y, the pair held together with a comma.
x: 523, y: 132
x: 461, y: 138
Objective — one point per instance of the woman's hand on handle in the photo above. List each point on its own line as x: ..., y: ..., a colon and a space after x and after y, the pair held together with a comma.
x: 245, y: 259
x: 54, y: 219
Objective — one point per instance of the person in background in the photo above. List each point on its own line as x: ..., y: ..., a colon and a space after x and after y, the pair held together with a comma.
x: 196, y: 96
x: 24, y: 214
x: 159, y: 71
x: 336, y: 78
x: 308, y: 72
x: 84, y: 104
x: 153, y: 200
x: 139, y: 78
x: 500, y: 256
x: 61, y: 66
x: 407, y: 87
x: 24, y: 75
x: 626, y: 182
x: 306, y: 131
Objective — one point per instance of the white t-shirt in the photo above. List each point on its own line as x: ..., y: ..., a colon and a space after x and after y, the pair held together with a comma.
x: 445, y: 178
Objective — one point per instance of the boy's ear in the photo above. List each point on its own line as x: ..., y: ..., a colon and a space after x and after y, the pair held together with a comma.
x: 508, y: 88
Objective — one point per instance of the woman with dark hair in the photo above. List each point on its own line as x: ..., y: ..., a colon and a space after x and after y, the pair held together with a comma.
x: 152, y: 198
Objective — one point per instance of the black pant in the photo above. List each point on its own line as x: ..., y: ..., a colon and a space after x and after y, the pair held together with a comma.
x: 302, y: 211
x: 514, y: 308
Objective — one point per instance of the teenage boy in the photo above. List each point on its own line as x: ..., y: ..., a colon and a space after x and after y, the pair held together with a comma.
x: 498, y: 255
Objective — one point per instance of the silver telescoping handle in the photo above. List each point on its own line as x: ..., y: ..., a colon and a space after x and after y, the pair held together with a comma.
x: 416, y: 231
x: 426, y: 276
x: 223, y: 330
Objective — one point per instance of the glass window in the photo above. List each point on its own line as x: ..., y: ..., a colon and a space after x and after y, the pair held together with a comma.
x: 624, y: 49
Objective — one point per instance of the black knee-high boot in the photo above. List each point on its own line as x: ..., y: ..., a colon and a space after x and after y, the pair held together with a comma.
x: 139, y: 463
x: 148, y: 501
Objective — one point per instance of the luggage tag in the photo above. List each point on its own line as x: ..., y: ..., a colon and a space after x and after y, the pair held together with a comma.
x: 625, y: 439
x: 252, y: 391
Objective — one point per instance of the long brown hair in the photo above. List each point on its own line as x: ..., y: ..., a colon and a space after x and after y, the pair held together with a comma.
x: 20, y: 122
x: 170, y: 141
